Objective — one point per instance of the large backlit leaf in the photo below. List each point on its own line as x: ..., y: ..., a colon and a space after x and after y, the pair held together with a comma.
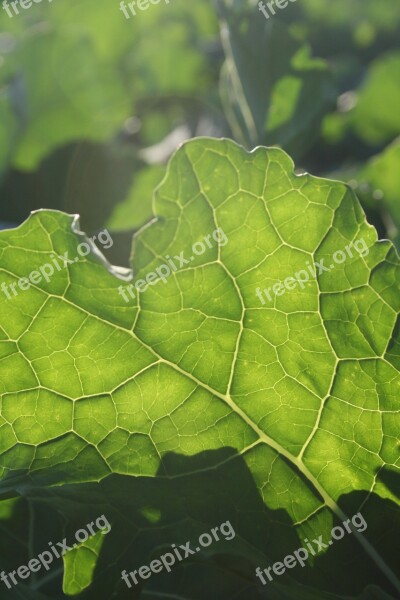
x: 196, y: 403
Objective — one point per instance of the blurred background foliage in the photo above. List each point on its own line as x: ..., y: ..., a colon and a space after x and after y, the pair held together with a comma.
x: 93, y: 104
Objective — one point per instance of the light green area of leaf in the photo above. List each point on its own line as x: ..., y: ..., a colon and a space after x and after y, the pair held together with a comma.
x: 137, y: 208
x: 382, y: 175
x: 98, y: 66
x: 74, y: 97
x: 304, y: 389
x: 6, y: 508
x: 376, y: 117
x: 80, y: 563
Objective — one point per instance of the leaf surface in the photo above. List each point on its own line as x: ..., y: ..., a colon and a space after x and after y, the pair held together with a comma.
x: 298, y: 397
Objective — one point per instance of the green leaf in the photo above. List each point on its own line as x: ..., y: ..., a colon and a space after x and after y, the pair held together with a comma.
x: 322, y: 13
x: 381, y: 175
x: 80, y: 564
x: 136, y: 209
x: 100, y: 66
x: 375, y: 117
x: 73, y: 98
x: 272, y: 90
x: 198, y: 403
x: 8, y: 132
